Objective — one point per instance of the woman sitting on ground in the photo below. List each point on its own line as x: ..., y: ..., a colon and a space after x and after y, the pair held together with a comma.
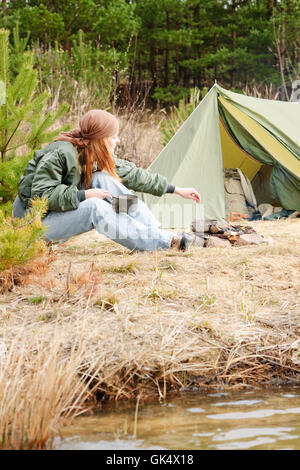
x: 78, y: 173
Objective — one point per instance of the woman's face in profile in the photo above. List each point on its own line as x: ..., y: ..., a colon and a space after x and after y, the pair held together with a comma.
x: 113, y: 141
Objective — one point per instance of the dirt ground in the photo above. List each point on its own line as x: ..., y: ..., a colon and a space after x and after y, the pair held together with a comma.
x: 208, y: 317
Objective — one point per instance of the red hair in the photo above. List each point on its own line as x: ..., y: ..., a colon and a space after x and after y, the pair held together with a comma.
x: 96, y: 151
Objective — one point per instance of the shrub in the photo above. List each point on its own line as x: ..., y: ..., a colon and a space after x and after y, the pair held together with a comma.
x: 20, y: 239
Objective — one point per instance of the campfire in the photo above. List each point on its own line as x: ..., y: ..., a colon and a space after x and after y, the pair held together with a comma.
x: 216, y: 234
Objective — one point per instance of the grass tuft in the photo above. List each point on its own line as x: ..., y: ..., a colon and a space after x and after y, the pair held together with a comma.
x: 36, y: 300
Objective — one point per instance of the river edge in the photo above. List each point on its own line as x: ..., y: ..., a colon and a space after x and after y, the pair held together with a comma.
x: 260, y: 419
x: 137, y: 325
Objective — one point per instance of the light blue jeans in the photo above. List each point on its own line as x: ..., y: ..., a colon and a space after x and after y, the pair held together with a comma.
x: 137, y: 231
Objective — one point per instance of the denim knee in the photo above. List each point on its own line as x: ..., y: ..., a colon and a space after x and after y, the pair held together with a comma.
x: 94, y: 204
x: 18, y: 208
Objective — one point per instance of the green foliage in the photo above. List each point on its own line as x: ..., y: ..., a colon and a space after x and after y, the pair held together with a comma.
x: 90, y: 68
x: 20, y: 239
x: 19, y: 49
x: 169, y: 45
x: 22, y: 117
x: 117, y: 22
x: 170, y: 95
x: 36, y: 300
x: 41, y: 22
x: 10, y: 174
x: 113, y: 21
x: 178, y: 115
x: 23, y: 120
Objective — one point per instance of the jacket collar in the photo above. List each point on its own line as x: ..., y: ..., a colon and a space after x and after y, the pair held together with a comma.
x: 59, y: 145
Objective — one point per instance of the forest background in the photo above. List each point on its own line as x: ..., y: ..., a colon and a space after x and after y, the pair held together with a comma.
x: 126, y: 50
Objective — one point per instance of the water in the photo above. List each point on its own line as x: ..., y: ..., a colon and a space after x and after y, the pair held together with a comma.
x: 217, y: 421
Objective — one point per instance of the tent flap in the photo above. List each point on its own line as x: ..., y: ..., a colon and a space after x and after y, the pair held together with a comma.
x: 192, y: 158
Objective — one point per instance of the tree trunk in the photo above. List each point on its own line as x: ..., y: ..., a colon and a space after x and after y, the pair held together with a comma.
x: 186, y: 72
x: 139, y: 68
x: 177, y: 58
x: 132, y: 81
x: 4, y: 6
x: 166, y: 65
x: 152, y: 61
x: 233, y: 40
x: 279, y: 39
x: 215, y: 47
x: 67, y: 42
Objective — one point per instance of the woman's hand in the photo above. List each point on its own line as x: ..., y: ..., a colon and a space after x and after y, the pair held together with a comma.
x: 188, y: 193
x: 97, y: 192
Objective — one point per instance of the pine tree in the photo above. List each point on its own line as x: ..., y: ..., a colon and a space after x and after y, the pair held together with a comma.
x: 23, y: 120
x: 19, y: 48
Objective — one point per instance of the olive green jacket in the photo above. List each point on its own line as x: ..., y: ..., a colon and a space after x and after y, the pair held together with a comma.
x: 54, y: 173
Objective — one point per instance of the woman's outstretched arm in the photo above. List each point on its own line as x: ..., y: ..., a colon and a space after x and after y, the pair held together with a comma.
x: 142, y: 180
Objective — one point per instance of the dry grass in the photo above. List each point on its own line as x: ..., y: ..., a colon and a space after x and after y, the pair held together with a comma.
x: 144, y: 323
x: 22, y: 273
x: 140, y: 135
x: 40, y: 387
x: 269, y: 92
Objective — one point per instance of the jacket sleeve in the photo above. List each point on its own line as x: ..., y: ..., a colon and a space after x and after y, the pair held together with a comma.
x: 139, y: 179
x: 49, y: 181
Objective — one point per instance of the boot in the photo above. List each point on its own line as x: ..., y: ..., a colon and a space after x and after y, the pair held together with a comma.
x: 184, y: 241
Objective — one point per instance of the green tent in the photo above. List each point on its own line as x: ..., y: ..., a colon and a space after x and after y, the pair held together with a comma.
x: 229, y: 130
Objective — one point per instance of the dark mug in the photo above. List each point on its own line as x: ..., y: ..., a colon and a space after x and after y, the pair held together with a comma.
x: 125, y: 203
